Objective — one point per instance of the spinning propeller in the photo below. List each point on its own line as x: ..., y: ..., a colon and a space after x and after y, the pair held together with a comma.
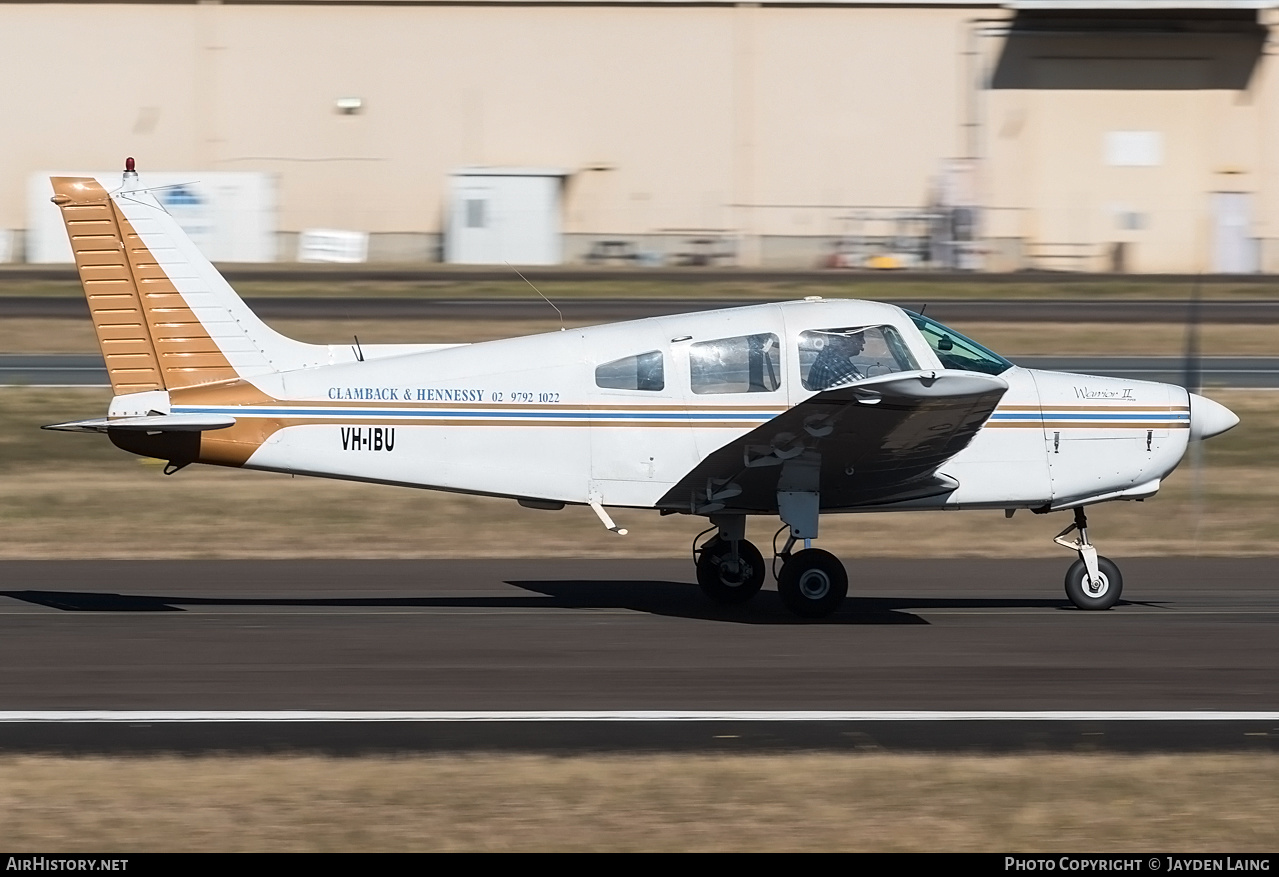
x: 1192, y: 379
x: 1207, y: 418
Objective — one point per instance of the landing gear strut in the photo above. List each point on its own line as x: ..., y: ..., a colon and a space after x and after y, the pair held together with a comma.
x: 1092, y: 582
x: 730, y: 570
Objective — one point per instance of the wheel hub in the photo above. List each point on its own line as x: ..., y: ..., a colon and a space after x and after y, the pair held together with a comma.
x: 1096, y: 587
x: 814, y: 584
x: 734, y: 572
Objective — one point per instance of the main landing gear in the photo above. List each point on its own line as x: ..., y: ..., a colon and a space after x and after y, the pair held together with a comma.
x: 730, y: 570
x: 812, y: 582
x: 1093, y: 581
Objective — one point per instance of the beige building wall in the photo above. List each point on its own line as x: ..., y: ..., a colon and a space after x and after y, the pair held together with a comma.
x: 766, y: 120
x: 761, y: 122
x: 1050, y: 149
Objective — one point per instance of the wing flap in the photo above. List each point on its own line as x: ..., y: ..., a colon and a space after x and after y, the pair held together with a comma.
x: 872, y: 441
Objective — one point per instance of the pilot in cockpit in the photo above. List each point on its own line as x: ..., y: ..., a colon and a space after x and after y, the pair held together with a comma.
x: 834, y: 364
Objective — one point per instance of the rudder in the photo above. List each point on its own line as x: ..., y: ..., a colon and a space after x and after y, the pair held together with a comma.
x: 164, y: 317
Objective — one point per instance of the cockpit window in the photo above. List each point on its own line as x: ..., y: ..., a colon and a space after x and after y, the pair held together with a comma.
x: 745, y: 364
x: 642, y: 372
x: 956, y: 351
x: 829, y: 357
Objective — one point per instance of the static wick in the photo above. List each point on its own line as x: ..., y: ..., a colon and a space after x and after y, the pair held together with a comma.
x: 539, y: 292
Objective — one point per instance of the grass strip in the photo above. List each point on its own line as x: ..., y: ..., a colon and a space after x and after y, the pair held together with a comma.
x: 768, y: 803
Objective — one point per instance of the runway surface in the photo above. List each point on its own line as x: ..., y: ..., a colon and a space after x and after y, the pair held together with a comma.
x: 589, y: 634
x: 627, y: 635
x: 580, y: 310
x: 33, y: 369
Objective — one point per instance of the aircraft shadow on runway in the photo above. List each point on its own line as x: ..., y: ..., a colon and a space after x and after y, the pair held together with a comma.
x: 672, y: 599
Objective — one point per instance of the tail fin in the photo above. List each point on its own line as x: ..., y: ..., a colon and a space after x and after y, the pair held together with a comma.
x: 164, y: 316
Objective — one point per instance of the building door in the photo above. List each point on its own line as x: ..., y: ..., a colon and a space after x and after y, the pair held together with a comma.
x: 1234, y: 251
x: 472, y: 233
x: 501, y: 216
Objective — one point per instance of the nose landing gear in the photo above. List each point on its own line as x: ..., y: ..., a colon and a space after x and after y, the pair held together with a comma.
x: 1093, y: 581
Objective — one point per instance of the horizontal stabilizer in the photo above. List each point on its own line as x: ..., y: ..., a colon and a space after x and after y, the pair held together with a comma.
x: 149, y: 423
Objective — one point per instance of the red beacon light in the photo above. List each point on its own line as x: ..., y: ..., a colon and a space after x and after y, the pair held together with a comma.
x: 128, y: 165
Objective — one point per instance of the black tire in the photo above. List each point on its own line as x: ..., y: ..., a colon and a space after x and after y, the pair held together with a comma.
x: 727, y: 582
x: 813, y: 583
x: 1084, y: 596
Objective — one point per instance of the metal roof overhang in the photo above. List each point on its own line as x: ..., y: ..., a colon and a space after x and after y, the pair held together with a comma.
x: 1137, y: 5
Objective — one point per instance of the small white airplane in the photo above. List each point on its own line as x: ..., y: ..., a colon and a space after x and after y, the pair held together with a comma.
x: 793, y: 409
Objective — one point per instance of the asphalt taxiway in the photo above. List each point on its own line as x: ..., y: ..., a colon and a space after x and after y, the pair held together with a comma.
x: 608, y: 638
x: 607, y: 310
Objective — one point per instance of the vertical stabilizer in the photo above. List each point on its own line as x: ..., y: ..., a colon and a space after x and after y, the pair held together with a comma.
x: 109, y: 286
x: 164, y: 316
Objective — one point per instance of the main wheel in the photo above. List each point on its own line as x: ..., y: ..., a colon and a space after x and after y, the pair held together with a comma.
x: 726, y: 580
x: 1101, y: 594
x: 813, y: 583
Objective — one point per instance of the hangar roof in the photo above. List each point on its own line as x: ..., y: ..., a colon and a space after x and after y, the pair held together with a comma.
x: 1046, y: 5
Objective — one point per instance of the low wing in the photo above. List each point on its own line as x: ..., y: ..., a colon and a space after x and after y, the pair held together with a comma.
x: 865, y: 443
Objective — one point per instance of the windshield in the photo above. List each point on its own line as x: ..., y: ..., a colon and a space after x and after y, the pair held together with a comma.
x: 956, y: 351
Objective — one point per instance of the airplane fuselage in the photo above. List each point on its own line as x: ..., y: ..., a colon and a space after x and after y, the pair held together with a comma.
x: 528, y: 418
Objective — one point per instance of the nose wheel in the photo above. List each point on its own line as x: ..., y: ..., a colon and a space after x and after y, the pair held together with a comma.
x: 1093, y: 581
x: 1094, y: 592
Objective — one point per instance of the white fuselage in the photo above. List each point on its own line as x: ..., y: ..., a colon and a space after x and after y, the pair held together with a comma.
x: 527, y: 417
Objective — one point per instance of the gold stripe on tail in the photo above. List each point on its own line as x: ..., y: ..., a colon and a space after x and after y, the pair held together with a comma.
x: 109, y: 288
x: 150, y: 338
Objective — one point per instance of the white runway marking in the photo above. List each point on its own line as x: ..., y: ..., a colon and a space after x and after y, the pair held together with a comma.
x: 302, y: 716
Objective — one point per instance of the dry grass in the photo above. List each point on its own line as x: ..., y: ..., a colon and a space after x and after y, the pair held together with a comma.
x: 131, y: 512
x: 813, y: 802
x: 49, y: 335
x: 316, y: 281
x: 77, y: 496
x: 1116, y: 339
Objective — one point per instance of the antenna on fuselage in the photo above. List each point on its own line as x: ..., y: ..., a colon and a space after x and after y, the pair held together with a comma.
x: 539, y: 292
x: 359, y: 353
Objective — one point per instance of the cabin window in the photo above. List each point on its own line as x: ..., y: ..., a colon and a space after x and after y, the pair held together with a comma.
x: 956, y: 351
x: 830, y: 357
x: 745, y: 364
x: 643, y: 371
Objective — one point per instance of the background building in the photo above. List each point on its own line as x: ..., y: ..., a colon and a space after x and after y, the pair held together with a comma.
x: 1128, y: 135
